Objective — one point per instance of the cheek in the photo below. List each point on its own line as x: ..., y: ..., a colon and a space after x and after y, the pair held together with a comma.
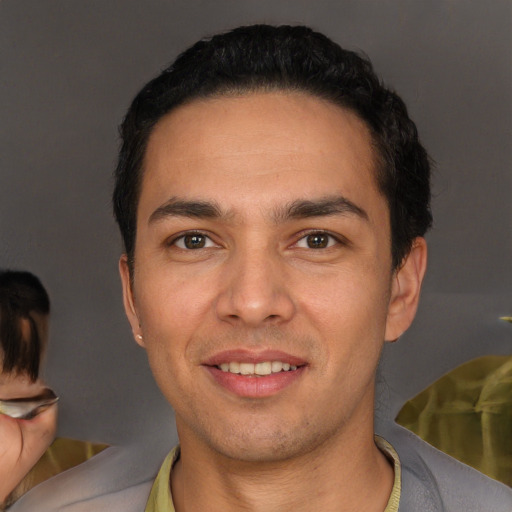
x: 346, y: 296
x: 348, y: 310
x: 170, y: 302
x: 172, y: 310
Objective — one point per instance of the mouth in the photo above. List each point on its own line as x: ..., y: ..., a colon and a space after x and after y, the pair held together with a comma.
x: 255, y: 375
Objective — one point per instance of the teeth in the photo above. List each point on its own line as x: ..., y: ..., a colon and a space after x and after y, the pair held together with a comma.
x: 277, y: 366
x: 265, y: 368
x: 246, y: 368
x: 234, y: 367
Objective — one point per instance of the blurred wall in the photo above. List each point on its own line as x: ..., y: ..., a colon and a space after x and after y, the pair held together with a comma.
x: 68, y: 70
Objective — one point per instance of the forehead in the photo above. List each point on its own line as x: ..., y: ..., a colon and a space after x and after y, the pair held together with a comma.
x: 272, y: 145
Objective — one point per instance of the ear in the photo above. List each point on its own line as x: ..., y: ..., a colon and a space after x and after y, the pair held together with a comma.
x: 405, y: 290
x: 128, y: 299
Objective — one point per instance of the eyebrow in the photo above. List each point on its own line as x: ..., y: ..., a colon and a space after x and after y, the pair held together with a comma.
x: 175, y: 207
x: 299, y: 209
x: 332, y: 205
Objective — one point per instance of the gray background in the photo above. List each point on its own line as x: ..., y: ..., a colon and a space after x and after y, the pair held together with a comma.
x: 68, y: 70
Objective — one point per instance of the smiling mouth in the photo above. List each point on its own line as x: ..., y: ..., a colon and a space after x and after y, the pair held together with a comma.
x: 256, y: 369
x: 255, y: 375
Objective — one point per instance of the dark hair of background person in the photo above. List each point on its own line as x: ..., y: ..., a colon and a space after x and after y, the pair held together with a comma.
x: 21, y: 295
x: 283, y: 58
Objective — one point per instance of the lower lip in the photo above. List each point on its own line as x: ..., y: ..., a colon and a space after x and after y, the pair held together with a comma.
x: 252, y: 386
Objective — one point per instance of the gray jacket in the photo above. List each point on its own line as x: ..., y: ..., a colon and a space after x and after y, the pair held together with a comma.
x: 434, y: 482
x: 119, y: 480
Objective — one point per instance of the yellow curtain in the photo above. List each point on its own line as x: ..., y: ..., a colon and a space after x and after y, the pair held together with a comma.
x: 467, y: 414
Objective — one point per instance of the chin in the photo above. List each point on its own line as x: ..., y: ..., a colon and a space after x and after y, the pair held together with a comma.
x: 264, y: 444
x: 263, y: 452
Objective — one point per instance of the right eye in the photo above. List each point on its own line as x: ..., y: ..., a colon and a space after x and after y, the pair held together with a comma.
x: 317, y: 240
x: 192, y: 241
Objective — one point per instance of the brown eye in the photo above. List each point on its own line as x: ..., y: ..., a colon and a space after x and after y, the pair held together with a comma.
x: 194, y: 241
x: 318, y: 241
x: 191, y: 241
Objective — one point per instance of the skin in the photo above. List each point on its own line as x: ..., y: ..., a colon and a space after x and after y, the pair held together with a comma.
x: 259, y: 283
x: 22, y: 442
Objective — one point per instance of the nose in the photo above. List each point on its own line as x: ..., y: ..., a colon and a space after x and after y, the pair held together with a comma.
x: 254, y: 290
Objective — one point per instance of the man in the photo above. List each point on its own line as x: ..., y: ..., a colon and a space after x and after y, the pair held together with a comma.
x: 273, y: 196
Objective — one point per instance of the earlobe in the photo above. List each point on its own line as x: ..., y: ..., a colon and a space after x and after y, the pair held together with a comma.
x: 405, y: 290
x: 128, y: 299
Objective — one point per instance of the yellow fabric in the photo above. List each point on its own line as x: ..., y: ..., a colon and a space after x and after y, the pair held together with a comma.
x: 468, y: 414
x: 390, y: 452
x: 62, y: 454
x: 160, y: 498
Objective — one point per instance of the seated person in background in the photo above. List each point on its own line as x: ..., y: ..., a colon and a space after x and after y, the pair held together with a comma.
x: 27, y: 455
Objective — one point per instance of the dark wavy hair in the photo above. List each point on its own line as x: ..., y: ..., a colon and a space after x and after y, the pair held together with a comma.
x: 283, y: 58
x: 21, y: 295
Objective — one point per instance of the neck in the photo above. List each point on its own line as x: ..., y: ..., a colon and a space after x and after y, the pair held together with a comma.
x: 346, y: 473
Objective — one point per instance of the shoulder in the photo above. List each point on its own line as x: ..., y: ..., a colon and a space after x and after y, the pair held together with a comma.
x: 116, y: 480
x: 433, y: 481
x: 60, y: 456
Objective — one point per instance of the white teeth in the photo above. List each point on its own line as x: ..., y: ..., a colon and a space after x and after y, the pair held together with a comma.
x: 264, y: 368
x: 277, y: 366
x: 233, y: 368
x: 247, y: 368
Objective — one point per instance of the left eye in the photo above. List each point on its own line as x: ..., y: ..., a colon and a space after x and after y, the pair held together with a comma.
x: 317, y: 241
x: 193, y: 241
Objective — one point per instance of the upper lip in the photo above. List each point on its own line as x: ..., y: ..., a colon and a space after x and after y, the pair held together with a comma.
x: 249, y: 356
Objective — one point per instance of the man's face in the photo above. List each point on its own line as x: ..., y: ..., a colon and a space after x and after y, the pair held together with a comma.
x: 263, y: 247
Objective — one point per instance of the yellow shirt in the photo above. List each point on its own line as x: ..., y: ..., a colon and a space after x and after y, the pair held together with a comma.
x: 160, y: 498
